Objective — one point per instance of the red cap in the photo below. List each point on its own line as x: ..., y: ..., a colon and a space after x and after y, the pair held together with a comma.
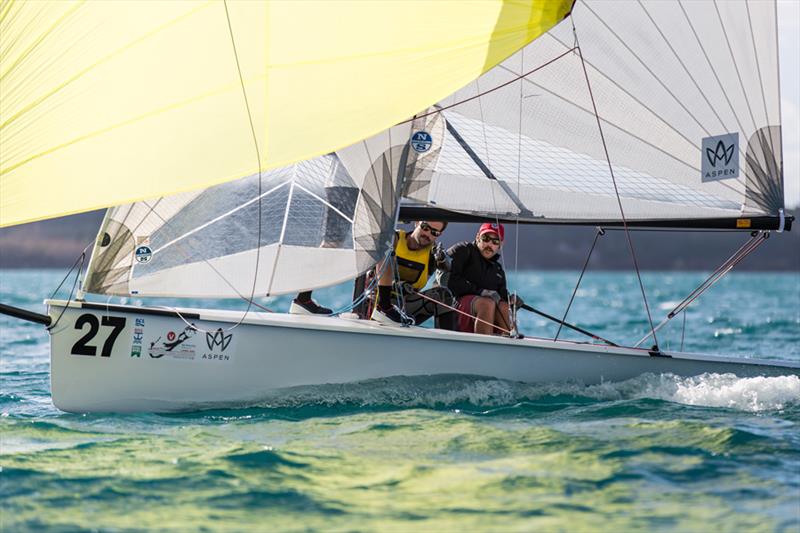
x: 490, y: 227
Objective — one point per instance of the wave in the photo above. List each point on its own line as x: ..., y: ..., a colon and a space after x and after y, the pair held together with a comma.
x: 452, y: 391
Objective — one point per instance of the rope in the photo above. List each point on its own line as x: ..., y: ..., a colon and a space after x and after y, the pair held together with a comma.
x: 616, y: 189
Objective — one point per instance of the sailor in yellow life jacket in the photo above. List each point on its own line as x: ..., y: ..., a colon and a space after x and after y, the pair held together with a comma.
x: 416, y: 257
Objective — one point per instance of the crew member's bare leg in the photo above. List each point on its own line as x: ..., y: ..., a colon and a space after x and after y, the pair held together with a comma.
x: 386, y: 274
x: 502, y: 314
x: 485, y: 310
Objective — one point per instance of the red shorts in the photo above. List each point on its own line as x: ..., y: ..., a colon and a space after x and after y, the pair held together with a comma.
x: 466, y: 323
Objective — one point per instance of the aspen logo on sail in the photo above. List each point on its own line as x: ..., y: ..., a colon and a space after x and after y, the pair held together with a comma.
x: 720, y: 157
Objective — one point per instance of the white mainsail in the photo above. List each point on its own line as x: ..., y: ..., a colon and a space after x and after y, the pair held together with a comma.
x: 688, y: 98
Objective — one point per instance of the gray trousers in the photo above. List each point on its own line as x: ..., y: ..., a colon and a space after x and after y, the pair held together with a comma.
x: 421, y: 309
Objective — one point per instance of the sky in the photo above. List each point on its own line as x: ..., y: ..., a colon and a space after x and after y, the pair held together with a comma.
x: 789, y: 50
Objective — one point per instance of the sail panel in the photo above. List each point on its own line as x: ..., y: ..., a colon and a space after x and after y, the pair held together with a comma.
x: 687, y: 95
x: 105, y: 103
x: 295, y: 228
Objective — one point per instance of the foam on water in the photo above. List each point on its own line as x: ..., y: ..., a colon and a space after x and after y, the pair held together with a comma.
x: 708, y: 390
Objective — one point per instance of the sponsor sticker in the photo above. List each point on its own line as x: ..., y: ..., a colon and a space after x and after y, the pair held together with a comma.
x: 138, y: 338
x: 143, y: 254
x: 173, y: 345
x: 189, y: 344
x: 219, y: 344
x: 421, y: 141
x: 720, y: 157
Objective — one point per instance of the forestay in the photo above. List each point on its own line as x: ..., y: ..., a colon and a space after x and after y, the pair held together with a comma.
x: 322, y: 221
x: 688, y: 97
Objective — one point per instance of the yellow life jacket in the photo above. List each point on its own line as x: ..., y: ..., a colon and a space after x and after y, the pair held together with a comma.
x: 412, y: 265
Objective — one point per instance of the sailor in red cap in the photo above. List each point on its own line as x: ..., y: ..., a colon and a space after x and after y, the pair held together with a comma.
x: 478, y: 281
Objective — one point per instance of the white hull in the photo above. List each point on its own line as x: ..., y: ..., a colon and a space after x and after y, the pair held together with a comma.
x: 139, y: 372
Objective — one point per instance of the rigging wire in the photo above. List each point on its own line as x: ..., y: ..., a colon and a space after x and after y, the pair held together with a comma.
x: 79, y: 264
x: 509, y: 82
x: 513, y: 308
x: 600, y: 232
x: 756, y: 240
x: 260, y: 168
x: 616, y: 189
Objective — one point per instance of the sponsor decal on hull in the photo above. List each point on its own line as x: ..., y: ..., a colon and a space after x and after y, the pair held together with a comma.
x: 189, y: 344
x: 138, y: 338
x: 174, y: 345
x: 219, y: 346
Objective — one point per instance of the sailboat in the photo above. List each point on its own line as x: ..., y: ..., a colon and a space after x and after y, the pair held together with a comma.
x: 608, y: 114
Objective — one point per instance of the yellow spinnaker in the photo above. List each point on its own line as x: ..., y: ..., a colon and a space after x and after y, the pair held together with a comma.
x: 104, y: 103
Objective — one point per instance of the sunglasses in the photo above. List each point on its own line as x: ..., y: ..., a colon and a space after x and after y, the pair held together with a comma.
x: 427, y: 227
x: 493, y: 240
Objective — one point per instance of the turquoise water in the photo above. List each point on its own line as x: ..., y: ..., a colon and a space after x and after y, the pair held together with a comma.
x: 435, y: 453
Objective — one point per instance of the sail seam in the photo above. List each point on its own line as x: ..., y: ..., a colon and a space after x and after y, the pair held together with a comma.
x: 663, y: 85
x: 711, y: 66
x: 649, y: 70
x: 685, y: 68
x: 735, y: 66
x: 771, y: 155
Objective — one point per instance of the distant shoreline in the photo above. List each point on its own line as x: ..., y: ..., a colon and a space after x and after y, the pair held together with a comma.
x: 57, y: 243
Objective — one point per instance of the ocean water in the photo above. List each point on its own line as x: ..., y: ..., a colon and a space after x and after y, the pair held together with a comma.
x: 440, y: 453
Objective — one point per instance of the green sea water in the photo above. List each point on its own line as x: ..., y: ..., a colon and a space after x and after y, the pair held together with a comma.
x: 436, y: 453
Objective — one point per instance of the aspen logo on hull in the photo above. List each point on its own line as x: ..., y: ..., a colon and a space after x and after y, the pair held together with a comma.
x: 219, y: 344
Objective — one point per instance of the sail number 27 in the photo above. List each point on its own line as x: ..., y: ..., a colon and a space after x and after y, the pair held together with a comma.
x: 82, y: 347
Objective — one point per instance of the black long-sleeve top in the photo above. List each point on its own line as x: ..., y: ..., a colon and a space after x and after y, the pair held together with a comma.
x: 471, y: 273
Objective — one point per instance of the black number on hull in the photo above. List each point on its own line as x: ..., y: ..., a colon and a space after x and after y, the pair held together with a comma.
x: 82, y: 347
x: 116, y: 322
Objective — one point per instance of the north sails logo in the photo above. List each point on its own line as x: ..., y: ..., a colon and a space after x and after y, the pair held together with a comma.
x: 218, y: 338
x: 720, y: 153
